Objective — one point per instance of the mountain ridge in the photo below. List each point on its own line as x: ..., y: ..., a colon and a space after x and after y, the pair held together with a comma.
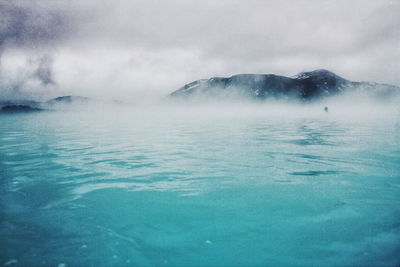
x: 310, y: 85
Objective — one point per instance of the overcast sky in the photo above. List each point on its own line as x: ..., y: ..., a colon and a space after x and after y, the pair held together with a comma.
x: 136, y: 49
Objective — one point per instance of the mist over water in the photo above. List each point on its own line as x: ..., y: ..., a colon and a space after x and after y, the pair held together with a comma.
x: 229, y: 184
x: 114, y: 153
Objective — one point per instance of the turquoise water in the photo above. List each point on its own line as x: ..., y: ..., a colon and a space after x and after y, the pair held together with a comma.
x: 175, y: 188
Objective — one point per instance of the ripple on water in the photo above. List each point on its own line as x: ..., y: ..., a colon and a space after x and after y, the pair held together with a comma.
x: 177, y: 191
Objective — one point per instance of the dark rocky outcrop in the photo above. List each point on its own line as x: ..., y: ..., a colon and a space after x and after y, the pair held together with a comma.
x: 19, y: 109
x: 304, y: 86
x: 15, y: 106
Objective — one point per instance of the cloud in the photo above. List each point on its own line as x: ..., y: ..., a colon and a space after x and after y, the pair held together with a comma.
x: 148, y: 48
x: 30, y: 24
x: 35, y: 29
x: 44, y: 71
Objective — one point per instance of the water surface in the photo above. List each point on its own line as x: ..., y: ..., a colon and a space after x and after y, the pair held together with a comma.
x: 168, y: 188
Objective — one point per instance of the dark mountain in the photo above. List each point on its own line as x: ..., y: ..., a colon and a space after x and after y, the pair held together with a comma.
x: 68, y: 100
x: 304, y: 86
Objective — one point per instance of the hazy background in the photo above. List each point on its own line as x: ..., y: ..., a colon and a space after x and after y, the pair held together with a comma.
x: 137, y: 50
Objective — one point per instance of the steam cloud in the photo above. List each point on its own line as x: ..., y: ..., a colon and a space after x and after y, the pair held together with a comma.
x: 36, y: 30
x: 137, y: 49
x: 23, y: 24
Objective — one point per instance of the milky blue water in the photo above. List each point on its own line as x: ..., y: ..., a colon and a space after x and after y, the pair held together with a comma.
x: 173, y: 189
